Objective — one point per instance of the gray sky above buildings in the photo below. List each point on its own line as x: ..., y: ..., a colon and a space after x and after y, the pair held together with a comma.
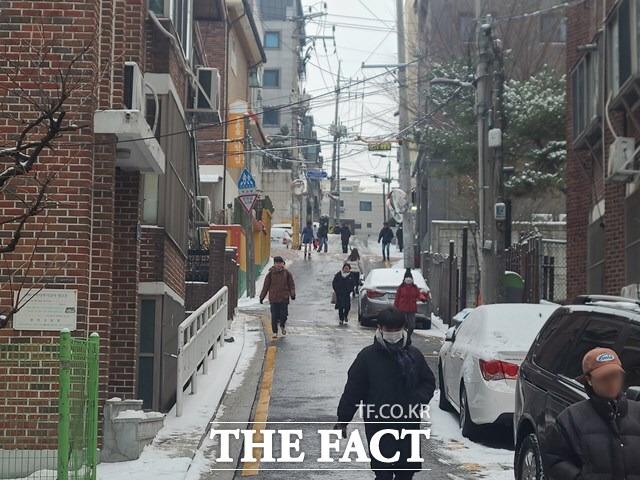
x: 364, y: 32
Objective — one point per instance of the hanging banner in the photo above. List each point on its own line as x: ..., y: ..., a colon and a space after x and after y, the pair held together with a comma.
x: 235, y: 147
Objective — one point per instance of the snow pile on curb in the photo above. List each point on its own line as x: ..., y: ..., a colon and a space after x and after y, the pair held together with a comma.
x: 141, y: 414
x: 493, y: 463
x: 245, y: 302
x: 173, y: 449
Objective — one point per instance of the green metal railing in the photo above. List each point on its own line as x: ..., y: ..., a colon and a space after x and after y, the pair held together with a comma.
x: 33, y: 445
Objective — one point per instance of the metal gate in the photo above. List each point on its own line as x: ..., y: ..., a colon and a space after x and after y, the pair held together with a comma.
x: 49, y: 412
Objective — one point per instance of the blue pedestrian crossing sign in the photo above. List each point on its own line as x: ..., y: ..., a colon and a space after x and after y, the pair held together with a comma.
x: 246, y: 183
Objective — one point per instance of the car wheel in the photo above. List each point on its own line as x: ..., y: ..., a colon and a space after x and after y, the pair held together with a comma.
x: 443, y: 402
x: 529, y: 459
x: 466, y: 424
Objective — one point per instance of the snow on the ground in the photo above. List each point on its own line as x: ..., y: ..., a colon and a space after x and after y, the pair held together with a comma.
x: 202, y: 461
x: 171, y: 452
x: 245, y: 302
x: 493, y: 463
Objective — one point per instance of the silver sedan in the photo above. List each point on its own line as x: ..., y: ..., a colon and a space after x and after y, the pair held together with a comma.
x: 379, y: 292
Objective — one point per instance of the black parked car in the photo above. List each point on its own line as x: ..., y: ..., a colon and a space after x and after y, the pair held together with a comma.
x: 546, y: 381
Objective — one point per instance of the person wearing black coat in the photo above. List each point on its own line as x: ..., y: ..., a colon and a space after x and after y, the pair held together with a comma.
x: 390, y: 372
x: 345, y: 235
x: 598, y: 438
x: 386, y: 235
x: 343, y: 284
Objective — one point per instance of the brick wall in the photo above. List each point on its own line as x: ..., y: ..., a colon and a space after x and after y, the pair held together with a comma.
x: 54, y: 245
x: 584, y: 175
x: 214, y: 39
x: 126, y: 277
x: 162, y: 260
x: 151, y: 254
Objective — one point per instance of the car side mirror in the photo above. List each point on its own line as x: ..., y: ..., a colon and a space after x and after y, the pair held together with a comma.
x: 450, y: 336
x: 633, y: 393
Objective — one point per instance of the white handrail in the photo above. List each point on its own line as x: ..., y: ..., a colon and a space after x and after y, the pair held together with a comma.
x: 201, y: 332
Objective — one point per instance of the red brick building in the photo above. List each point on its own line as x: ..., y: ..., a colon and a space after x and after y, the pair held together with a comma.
x: 603, y: 197
x: 120, y: 212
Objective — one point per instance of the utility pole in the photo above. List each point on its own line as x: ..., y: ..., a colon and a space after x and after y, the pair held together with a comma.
x: 405, y: 161
x: 489, y: 177
x: 251, y: 279
x: 335, y: 178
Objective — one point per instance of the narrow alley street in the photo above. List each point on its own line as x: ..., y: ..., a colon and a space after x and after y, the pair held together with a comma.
x: 309, y: 367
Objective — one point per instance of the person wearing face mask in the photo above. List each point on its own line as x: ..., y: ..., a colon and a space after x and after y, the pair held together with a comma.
x: 597, y: 438
x: 389, y: 374
x: 343, y: 285
x: 407, y: 296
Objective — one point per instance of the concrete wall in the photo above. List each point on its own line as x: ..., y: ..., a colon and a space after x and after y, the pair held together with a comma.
x: 276, y: 184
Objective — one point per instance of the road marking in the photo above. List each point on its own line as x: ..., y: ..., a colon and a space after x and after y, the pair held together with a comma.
x: 251, y: 469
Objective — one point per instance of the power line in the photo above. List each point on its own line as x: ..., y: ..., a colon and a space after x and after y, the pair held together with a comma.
x: 221, y: 123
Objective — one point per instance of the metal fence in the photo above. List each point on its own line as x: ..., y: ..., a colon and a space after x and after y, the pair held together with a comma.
x: 198, y: 335
x: 542, y: 263
x: 441, y: 272
x: 49, y: 409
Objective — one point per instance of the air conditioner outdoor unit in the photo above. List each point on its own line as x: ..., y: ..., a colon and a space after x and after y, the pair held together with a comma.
x: 134, y: 89
x: 208, y: 94
x: 203, y: 217
x: 621, y: 166
x: 631, y: 291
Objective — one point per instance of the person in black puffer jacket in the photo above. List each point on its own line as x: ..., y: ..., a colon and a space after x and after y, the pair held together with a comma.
x: 388, y: 376
x: 598, y: 438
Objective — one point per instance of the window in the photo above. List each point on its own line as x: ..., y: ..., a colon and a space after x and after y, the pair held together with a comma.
x: 181, y: 16
x: 600, y: 332
x: 157, y: 7
x: 630, y: 357
x: 274, y: 9
x: 619, y: 43
x: 271, y: 116
x: 554, y: 342
x: 342, y: 203
x: 272, y: 40
x: 467, y: 27
x: 358, y: 226
x: 365, y: 207
x: 632, y: 237
x: 271, y: 78
x: 233, y: 55
x: 369, y: 225
x: 150, y: 199
x: 553, y: 28
x: 346, y: 188
x: 585, y: 92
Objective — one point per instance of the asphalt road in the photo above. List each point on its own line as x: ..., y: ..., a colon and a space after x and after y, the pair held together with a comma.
x: 309, y: 372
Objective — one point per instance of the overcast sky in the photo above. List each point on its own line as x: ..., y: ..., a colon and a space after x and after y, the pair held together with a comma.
x: 364, y: 32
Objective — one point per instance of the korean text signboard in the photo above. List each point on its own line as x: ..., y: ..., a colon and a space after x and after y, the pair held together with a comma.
x: 48, y: 309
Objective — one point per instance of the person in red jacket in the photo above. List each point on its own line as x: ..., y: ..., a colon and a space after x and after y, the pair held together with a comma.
x: 407, y: 296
